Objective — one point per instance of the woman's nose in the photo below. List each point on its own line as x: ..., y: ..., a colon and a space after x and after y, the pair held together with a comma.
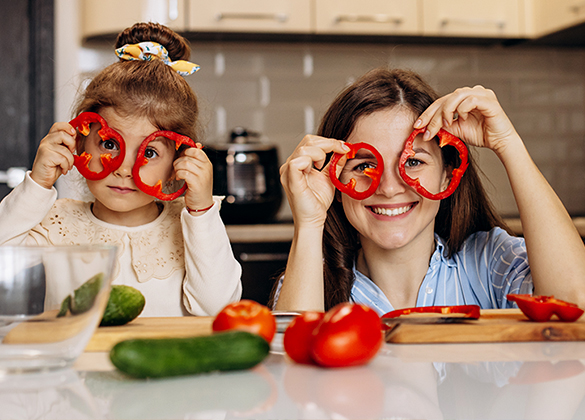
x: 391, y: 183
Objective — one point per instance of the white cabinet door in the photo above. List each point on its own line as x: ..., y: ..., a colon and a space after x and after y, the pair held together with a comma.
x: 250, y: 15
x: 546, y: 16
x: 107, y: 17
x: 474, y: 18
x: 373, y: 17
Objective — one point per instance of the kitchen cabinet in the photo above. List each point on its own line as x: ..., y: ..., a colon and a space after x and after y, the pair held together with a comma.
x: 370, y: 17
x: 250, y: 16
x: 545, y: 16
x: 473, y: 18
x: 109, y: 17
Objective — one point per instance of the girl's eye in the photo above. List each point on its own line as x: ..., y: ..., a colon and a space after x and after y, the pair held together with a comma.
x: 150, y: 153
x: 109, y: 145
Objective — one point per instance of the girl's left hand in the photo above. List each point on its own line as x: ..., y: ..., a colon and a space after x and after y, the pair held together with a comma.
x: 479, y: 118
x: 195, y: 168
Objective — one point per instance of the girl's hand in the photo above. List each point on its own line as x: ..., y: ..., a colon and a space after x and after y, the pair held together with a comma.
x: 195, y: 168
x: 309, y: 190
x: 472, y: 114
x: 54, y: 155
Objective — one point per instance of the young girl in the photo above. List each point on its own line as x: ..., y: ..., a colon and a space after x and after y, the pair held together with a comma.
x: 398, y: 249
x: 176, y: 253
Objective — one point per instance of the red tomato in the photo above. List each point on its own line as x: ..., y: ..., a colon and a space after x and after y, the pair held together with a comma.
x: 298, y: 336
x: 348, y: 335
x: 246, y: 315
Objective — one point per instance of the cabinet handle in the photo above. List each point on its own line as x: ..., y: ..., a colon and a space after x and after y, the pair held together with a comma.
x: 501, y: 24
x: 279, y: 17
x: 263, y: 257
x: 13, y: 176
x: 577, y: 7
x: 368, y: 19
x: 173, y: 9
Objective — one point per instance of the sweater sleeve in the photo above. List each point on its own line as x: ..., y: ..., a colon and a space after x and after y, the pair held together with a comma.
x: 213, y: 275
x: 23, y: 209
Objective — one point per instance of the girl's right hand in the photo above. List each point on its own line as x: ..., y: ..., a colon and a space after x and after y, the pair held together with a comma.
x: 310, y: 191
x: 54, y: 155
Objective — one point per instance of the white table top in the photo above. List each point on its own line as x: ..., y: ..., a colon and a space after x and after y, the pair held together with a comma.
x: 441, y: 381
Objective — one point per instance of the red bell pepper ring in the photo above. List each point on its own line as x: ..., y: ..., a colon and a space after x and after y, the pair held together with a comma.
x: 470, y: 311
x: 141, y: 160
x: 82, y: 123
x: 542, y: 308
x: 445, y: 138
x: 374, y: 173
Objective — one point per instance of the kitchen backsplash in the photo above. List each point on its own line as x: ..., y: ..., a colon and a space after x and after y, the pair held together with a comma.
x: 283, y: 89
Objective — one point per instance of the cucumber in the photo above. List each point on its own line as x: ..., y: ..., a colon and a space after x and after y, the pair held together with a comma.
x: 83, y: 297
x: 124, y: 304
x: 157, y: 358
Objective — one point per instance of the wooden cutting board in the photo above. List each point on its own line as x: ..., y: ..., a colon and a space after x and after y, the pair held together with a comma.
x: 494, y: 325
x: 105, y: 338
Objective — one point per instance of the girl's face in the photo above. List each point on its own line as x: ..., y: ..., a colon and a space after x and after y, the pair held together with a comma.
x: 118, y: 200
x: 396, y: 215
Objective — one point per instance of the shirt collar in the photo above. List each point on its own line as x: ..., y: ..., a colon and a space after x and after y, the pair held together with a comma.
x: 440, y: 253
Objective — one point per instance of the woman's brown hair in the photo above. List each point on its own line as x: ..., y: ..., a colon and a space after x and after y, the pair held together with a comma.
x: 467, y: 211
x: 148, y: 88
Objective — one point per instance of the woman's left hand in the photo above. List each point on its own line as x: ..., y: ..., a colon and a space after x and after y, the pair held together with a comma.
x: 472, y: 114
x: 195, y: 168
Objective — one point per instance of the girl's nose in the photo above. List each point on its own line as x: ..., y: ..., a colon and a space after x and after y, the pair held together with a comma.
x: 125, y: 170
x: 391, y: 183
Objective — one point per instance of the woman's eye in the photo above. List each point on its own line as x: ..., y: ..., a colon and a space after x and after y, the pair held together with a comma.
x: 363, y: 166
x: 413, y: 163
x: 150, y: 153
x: 109, y: 145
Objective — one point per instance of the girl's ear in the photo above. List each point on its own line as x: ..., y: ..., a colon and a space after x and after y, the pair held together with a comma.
x: 447, y: 176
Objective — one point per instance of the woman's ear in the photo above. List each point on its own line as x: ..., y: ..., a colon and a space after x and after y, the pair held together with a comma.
x: 447, y: 176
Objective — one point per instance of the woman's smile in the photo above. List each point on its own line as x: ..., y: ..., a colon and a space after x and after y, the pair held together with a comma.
x: 391, y: 210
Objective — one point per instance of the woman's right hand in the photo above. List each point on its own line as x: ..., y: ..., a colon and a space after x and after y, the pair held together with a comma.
x: 310, y: 191
x: 54, y: 155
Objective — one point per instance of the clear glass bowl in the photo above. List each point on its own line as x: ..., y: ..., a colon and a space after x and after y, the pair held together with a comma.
x: 51, y: 301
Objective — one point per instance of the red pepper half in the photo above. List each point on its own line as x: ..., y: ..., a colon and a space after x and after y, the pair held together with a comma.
x: 141, y: 160
x: 542, y: 308
x: 82, y: 123
x: 445, y: 138
x: 470, y: 311
x: 374, y: 173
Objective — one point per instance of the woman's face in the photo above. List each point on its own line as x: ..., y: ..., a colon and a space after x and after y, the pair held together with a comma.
x: 396, y: 215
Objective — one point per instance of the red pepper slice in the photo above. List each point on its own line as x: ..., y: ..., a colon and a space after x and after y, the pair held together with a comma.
x: 374, y: 173
x: 141, y: 160
x: 445, y: 138
x: 81, y: 123
x: 470, y: 311
x: 542, y: 308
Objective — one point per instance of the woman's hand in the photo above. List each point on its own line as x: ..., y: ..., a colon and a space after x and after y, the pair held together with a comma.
x: 54, y: 155
x: 472, y: 114
x: 309, y: 190
x: 195, y: 168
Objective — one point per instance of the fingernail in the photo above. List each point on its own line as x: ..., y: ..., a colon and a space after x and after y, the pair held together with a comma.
x: 418, y: 123
x: 427, y: 135
x: 346, y: 147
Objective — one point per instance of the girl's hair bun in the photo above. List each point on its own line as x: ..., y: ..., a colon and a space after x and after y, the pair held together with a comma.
x: 175, y: 44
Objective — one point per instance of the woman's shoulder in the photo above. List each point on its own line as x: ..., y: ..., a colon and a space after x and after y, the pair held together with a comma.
x: 491, y: 244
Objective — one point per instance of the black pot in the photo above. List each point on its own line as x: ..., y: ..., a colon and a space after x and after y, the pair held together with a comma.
x: 246, y: 172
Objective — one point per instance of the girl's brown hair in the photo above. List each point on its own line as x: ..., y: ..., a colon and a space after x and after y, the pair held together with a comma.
x: 467, y: 211
x: 148, y: 88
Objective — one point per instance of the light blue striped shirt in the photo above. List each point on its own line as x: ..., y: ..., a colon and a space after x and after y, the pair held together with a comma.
x: 488, y: 267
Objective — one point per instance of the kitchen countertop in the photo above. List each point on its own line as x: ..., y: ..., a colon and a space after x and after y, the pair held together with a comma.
x: 283, y: 232
x: 412, y: 381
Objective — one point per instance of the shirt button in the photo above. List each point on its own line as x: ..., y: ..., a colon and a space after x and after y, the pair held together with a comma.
x: 437, y: 257
x: 429, y: 290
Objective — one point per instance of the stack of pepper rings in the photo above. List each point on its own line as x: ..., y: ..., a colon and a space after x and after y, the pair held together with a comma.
x: 82, y: 124
x: 445, y: 138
